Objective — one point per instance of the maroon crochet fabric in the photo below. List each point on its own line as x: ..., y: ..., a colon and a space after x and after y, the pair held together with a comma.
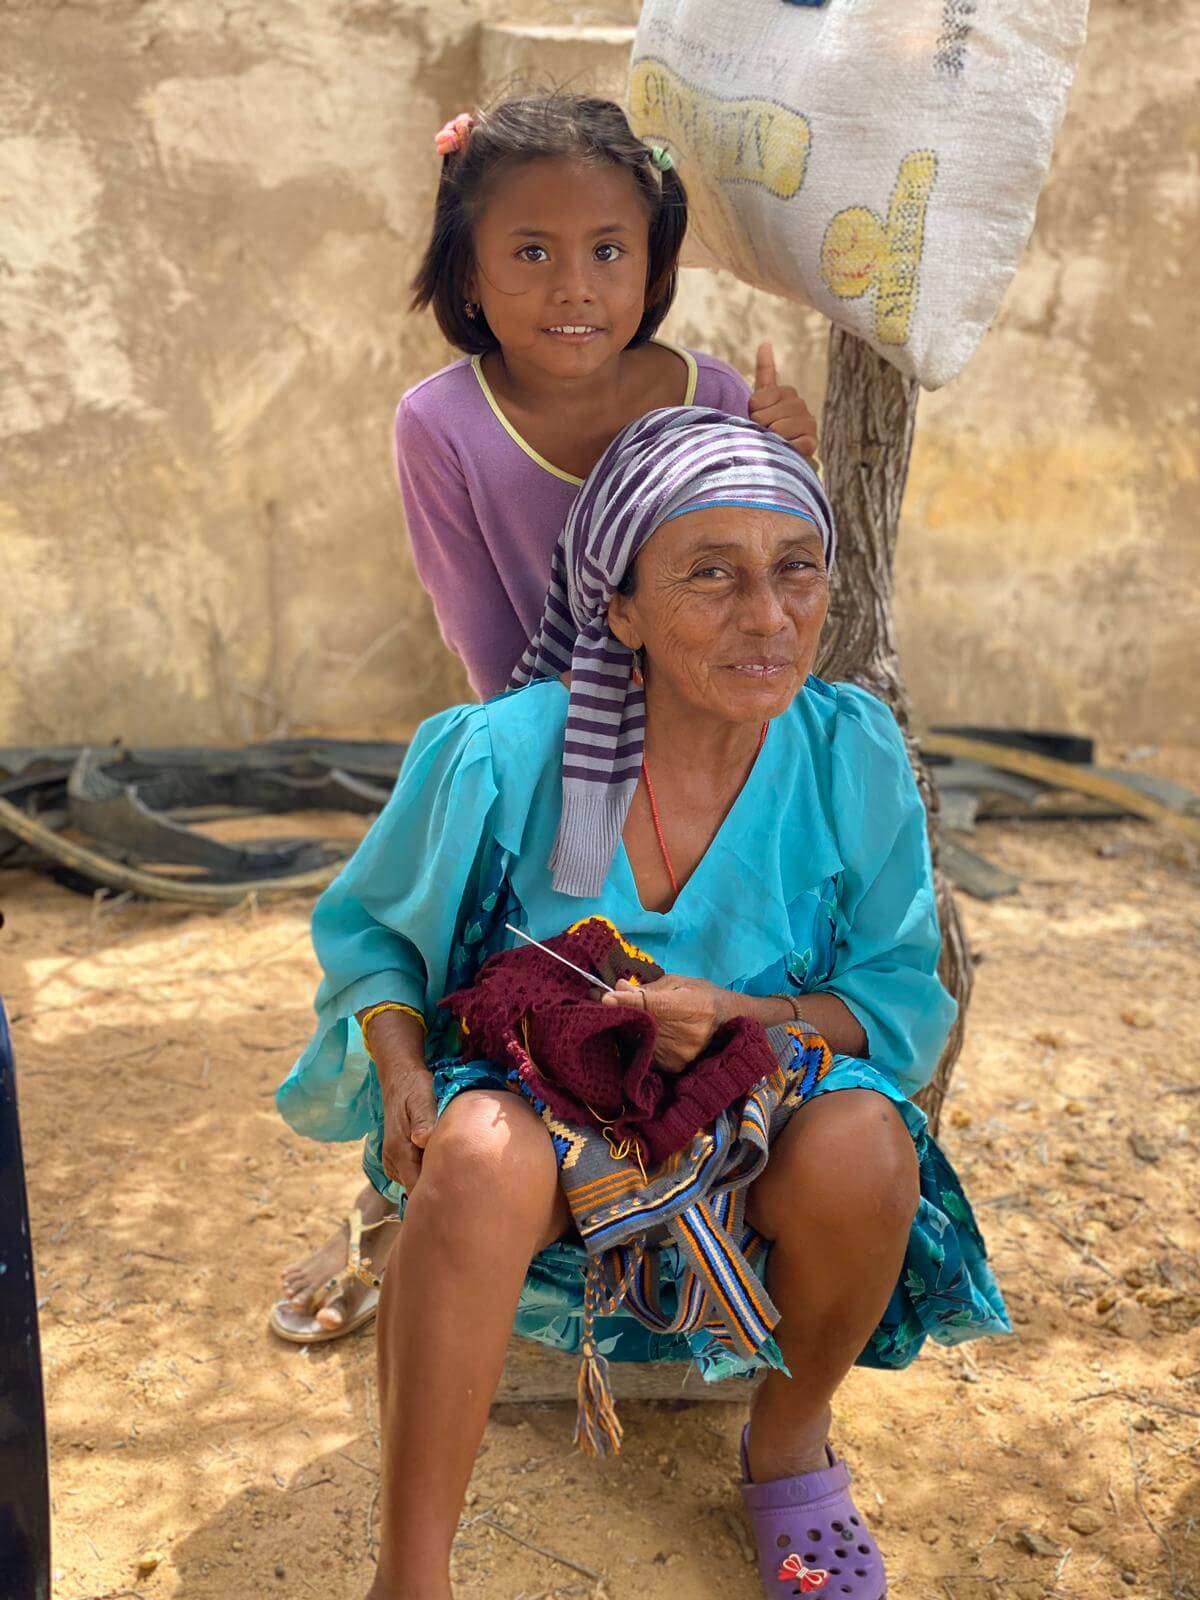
x: 594, y: 1064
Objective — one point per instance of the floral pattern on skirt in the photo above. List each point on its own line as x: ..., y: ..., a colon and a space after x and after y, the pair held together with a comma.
x: 946, y: 1290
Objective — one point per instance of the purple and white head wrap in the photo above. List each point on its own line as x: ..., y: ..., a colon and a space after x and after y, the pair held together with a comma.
x: 680, y: 459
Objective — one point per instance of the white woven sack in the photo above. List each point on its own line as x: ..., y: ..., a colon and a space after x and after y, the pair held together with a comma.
x: 878, y: 159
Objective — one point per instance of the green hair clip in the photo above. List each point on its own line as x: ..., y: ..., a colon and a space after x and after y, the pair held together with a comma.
x: 662, y: 159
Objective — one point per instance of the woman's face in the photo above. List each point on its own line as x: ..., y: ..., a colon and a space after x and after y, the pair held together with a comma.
x: 728, y: 607
x: 561, y: 256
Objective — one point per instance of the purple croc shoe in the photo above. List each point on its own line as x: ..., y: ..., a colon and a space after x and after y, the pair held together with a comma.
x: 810, y: 1536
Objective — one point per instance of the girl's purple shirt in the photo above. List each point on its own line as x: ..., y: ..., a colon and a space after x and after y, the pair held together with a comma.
x: 485, y: 510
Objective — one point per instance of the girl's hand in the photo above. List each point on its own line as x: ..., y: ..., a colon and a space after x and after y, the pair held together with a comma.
x: 409, y: 1118
x: 780, y: 409
x: 688, y: 1012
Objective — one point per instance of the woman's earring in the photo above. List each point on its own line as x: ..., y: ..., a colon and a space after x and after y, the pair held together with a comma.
x: 636, y: 675
x: 471, y: 309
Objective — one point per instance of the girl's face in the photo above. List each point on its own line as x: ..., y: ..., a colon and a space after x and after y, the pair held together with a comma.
x: 561, y: 257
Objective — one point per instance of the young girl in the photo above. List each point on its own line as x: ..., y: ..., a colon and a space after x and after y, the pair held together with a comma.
x: 552, y: 264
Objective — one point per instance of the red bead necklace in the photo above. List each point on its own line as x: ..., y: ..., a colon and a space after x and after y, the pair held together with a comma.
x: 658, y: 832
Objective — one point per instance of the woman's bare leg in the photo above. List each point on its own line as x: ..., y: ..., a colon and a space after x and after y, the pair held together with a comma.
x: 487, y: 1201
x: 838, y: 1198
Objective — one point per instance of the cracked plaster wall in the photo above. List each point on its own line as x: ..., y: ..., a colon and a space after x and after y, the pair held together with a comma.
x: 1048, y: 569
x: 208, y: 220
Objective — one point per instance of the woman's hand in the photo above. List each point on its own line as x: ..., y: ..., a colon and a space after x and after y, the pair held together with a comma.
x: 409, y: 1117
x: 397, y: 1046
x: 779, y: 408
x: 688, y: 1012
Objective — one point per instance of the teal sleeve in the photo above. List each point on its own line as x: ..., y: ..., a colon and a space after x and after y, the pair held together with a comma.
x: 385, y: 928
x: 888, y: 940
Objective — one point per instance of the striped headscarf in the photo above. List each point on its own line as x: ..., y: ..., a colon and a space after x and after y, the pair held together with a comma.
x: 680, y: 459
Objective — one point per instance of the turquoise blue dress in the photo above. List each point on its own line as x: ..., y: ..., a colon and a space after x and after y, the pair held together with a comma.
x: 819, y: 879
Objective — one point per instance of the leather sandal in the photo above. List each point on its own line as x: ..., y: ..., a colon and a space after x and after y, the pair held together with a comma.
x: 302, y: 1327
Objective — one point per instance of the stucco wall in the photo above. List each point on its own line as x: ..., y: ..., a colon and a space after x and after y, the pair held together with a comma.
x: 210, y: 217
x: 1048, y: 571
x: 208, y: 222
x: 1051, y: 561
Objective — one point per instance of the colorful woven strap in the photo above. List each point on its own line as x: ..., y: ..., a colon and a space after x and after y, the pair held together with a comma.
x: 730, y: 1287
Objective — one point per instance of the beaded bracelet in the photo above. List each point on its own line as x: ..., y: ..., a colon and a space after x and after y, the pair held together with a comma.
x: 386, y: 1005
x: 798, y: 1017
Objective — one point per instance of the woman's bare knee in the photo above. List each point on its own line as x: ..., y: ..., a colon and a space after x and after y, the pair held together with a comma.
x: 489, y: 1167
x: 845, y: 1157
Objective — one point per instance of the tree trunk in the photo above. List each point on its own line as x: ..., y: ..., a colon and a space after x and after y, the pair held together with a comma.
x: 866, y: 440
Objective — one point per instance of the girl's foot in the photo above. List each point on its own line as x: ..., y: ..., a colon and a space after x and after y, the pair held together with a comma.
x: 306, y: 1283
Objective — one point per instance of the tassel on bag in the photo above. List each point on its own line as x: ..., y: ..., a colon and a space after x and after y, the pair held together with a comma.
x: 598, y: 1430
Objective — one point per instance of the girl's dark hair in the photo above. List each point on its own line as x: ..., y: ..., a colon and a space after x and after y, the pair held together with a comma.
x: 570, y: 126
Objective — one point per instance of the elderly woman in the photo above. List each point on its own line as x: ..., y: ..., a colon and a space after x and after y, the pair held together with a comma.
x: 755, y: 831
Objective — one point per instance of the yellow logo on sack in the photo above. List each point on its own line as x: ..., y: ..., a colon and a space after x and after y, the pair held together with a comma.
x: 764, y: 143
x: 860, y: 251
x: 748, y: 141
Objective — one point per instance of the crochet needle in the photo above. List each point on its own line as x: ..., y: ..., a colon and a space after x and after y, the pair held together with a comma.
x: 590, y: 976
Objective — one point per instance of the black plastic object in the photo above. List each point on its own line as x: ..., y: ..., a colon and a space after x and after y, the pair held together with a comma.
x: 24, y: 1470
x: 1072, y: 747
x: 135, y: 808
x: 117, y: 813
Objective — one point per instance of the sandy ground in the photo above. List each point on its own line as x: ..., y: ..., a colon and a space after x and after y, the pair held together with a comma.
x: 166, y: 1194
